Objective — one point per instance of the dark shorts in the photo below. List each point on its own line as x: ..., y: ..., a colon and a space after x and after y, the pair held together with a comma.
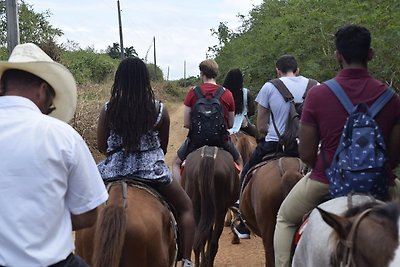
x: 186, y: 149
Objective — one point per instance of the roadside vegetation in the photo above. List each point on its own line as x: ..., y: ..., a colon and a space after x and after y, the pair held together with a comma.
x: 303, y: 28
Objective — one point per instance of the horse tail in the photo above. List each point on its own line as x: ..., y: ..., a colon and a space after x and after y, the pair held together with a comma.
x: 207, y: 203
x: 109, y: 237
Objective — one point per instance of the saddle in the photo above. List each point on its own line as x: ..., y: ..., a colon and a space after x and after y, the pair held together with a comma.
x: 209, y: 151
x: 266, y: 159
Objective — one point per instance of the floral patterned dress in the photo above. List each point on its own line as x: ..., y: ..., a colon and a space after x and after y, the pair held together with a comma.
x: 146, y: 163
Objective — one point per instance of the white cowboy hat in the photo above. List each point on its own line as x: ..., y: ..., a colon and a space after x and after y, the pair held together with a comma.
x: 30, y: 58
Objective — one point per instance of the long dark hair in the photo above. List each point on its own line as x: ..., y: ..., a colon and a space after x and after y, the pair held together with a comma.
x: 131, y: 110
x: 234, y: 82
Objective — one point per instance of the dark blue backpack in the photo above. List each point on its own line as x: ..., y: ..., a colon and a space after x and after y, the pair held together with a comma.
x: 360, y: 163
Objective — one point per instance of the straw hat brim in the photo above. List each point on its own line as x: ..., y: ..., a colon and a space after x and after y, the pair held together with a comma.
x: 59, y: 77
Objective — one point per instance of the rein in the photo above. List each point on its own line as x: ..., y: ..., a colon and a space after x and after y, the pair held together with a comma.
x: 348, y: 260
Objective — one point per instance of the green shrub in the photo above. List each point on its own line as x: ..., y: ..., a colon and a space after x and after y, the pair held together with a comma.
x: 89, y: 67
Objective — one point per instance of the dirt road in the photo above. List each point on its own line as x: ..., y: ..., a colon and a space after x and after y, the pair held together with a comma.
x: 250, y: 252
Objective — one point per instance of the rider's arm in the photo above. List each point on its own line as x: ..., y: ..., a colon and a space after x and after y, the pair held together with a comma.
x: 164, y: 129
x: 308, y: 146
x: 84, y: 220
x: 186, y: 116
x: 102, y: 131
x: 262, y: 119
x: 394, y: 146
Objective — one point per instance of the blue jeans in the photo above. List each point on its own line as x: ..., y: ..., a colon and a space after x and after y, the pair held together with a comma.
x: 71, y: 261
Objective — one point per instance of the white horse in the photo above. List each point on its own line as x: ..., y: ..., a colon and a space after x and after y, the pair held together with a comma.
x: 314, y: 248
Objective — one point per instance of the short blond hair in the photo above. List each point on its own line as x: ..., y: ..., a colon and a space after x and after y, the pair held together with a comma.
x: 209, y: 68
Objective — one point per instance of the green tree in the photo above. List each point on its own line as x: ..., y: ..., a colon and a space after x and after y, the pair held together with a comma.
x: 305, y: 28
x: 34, y: 27
x: 130, y: 52
x: 114, y: 51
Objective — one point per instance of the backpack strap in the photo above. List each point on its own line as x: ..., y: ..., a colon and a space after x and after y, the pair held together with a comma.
x: 344, y: 99
x: 198, y: 92
x: 219, y: 92
x: 282, y: 89
x: 335, y: 87
x: 381, y: 101
x: 310, y: 84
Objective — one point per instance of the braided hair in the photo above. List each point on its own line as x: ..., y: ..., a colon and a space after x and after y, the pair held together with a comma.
x: 131, y: 111
x: 234, y: 82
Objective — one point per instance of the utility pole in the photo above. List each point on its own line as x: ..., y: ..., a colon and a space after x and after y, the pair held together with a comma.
x: 184, y: 73
x: 168, y: 74
x: 12, y: 25
x: 155, y: 61
x: 121, y: 41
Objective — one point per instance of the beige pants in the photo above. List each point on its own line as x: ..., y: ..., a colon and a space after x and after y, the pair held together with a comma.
x: 304, y: 196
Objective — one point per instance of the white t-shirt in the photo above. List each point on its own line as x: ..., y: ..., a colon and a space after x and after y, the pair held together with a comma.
x: 238, y: 119
x: 47, y: 172
x: 270, y: 98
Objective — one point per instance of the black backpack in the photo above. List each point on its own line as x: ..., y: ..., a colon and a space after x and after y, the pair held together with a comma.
x: 207, y: 126
x: 288, y: 139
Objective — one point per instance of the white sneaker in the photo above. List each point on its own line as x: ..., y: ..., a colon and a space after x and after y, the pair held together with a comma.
x: 186, y: 263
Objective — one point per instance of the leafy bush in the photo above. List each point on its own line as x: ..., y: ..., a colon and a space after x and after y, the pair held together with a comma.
x: 89, y: 67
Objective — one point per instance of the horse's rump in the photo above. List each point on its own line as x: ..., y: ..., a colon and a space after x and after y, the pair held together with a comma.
x: 134, y: 227
x: 245, y: 144
x: 261, y: 198
x: 212, y: 183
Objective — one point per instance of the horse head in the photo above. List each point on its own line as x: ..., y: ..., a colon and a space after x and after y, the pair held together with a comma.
x: 366, y: 235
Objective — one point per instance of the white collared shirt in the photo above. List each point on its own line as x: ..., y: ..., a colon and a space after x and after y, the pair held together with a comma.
x: 46, y: 173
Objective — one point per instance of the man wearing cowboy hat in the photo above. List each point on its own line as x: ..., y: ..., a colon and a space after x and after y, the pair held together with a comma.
x: 50, y: 184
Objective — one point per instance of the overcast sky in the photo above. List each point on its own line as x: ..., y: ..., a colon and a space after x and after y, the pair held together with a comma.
x: 181, y: 27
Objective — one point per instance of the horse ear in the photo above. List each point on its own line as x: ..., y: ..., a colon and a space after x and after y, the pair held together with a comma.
x: 340, y: 224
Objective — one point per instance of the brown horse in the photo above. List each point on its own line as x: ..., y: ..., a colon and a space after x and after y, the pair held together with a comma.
x: 366, y: 234
x: 263, y: 195
x: 211, y: 181
x: 134, y: 228
x: 245, y: 144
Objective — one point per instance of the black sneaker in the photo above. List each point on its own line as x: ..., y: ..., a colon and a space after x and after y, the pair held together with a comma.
x: 241, y: 230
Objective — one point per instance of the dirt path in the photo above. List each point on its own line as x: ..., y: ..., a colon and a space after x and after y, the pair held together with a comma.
x: 249, y: 252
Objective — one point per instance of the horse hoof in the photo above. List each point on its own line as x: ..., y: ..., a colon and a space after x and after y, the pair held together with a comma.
x: 235, y: 240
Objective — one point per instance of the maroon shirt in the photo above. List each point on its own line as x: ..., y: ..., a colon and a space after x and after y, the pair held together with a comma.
x: 324, y: 111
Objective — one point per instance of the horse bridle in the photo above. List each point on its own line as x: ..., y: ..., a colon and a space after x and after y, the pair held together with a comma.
x: 348, y: 244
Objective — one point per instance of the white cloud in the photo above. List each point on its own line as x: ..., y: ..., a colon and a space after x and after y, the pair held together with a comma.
x: 181, y: 28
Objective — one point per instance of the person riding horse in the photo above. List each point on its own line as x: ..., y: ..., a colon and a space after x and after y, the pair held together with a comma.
x: 270, y: 101
x: 244, y: 104
x: 133, y: 131
x: 208, y: 73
